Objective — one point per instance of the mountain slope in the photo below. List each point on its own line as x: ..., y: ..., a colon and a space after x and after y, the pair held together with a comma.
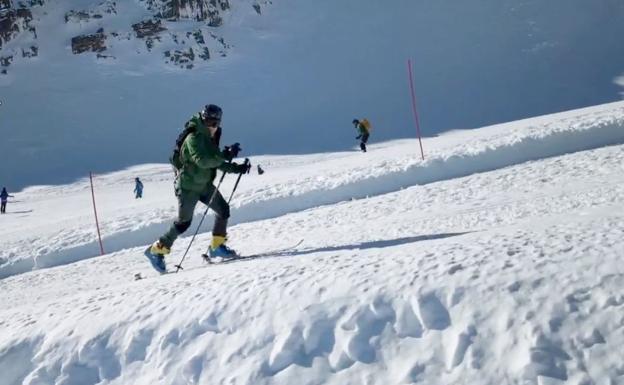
x: 504, y: 275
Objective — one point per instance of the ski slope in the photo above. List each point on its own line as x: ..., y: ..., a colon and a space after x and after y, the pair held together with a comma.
x: 496, y: 260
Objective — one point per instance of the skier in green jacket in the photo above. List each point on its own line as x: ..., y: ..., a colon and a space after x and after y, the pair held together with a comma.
x: 197, y: 165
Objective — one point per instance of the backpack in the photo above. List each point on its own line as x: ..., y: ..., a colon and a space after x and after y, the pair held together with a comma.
x: 189, y: 128
x: 364, y: 122
x: 174, y: 159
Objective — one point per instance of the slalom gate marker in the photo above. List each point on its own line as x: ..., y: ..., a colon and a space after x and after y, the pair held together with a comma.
x: 97, y: 223
x: 411, y: 83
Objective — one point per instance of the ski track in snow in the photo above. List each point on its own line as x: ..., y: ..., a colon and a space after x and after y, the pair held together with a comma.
x: 508, y: 276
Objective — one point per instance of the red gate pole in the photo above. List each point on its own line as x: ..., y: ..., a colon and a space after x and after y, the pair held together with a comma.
x: 97, y: 224
x: 411, y: 82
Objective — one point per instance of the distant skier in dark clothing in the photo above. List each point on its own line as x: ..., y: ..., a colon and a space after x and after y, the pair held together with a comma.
x: 363, y: 126
x: 138, y: 188
x: 4, y: 196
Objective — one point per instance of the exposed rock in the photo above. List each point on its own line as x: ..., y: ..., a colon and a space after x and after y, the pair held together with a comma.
x: 149, y: 42
x: 148, y: 28
x: 5, y: 5
x: 199, y: 37
x: 100, y: 56
x: 16, y: 20
x: 23, y: 13
x: 12, y: 22
x: 183, y: 59
x: 190, y: 9
x: 221, y: 40
x: 92, y: 43
x: 32, y: 51
x: 76, y: 16
x: 5, y: 61
x: 8, y: 28
x: 81, y: 16
x: 205, y: 54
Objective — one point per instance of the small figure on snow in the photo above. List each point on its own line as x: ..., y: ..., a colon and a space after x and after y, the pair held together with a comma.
x: 197, y: 158
x: 4, y: 197
x: 138, y: 188
x: 364, y: 127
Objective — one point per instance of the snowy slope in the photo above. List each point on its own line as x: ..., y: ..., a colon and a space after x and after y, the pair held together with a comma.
x: 495, y: 261
x: 290, y: 184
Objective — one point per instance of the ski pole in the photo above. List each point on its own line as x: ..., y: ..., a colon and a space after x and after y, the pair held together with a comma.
x: 214, y: 193
x: 237, y: 180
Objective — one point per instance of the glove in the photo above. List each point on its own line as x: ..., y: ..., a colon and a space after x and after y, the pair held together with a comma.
x: 231, y: 152
x: 242, y: 168
x: 358, y: 137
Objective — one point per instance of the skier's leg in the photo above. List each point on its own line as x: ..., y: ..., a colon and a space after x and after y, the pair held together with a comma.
x: 187, y: 200
x: 2, y: 207
x: 221, y: 209
x: 219, y: 230
x: 363, y: 143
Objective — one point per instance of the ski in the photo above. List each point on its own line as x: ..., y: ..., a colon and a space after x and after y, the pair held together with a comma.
x: 214, y: 261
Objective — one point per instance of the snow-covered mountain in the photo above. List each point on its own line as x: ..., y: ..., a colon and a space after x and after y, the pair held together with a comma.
x: 496, y: 260
x: 100, y: 85
x: 116, y: 30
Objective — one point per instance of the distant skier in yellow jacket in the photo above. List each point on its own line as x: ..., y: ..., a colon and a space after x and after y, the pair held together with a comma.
x: 364, y: 127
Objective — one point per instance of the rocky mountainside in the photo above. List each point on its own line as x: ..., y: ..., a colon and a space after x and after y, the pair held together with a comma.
x: 97, y: 30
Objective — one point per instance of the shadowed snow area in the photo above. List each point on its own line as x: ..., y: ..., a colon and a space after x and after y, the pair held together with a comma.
x: 291, y: 184
x: 497, y: 260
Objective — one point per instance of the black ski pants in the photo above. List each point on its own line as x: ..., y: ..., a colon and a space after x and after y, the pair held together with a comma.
x: 187, y: 200
x: 363, y: 142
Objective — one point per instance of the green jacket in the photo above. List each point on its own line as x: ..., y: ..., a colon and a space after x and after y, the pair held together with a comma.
x: 201, y: 157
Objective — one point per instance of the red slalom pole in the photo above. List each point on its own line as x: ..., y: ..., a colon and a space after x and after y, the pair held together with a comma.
x: 97, y: 224
x: 411, y: 82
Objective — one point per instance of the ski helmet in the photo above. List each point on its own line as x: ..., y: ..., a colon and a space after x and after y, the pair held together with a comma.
x: 211, y: 112
x: 355, y: 121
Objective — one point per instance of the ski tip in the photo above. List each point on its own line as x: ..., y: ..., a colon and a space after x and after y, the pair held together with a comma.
x: 206, y: 258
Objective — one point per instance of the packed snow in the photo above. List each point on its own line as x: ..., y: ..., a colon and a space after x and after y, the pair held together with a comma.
x: 496, y: 260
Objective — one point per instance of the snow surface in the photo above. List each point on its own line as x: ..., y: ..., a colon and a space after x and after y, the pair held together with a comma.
x: 497, y: 260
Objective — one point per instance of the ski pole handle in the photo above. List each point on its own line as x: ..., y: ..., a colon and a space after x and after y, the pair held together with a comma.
x: 246, y: 162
